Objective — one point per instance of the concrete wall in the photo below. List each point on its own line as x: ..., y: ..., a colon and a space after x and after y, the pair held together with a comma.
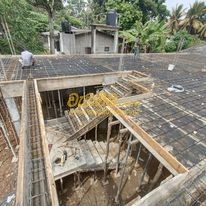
x: 82, y: 41
x: 67, y: 43
x: 77, y: 44
x: 55, y: 83
x: 102, y: 41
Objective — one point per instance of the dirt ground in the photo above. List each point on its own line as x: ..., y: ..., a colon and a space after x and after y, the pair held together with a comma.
x: 94, y: 193
x: 8, y: 177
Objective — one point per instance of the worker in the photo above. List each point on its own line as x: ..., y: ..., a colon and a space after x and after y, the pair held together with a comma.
x: 27, y: 59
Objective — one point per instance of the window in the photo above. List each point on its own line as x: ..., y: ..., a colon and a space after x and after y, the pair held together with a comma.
x: 106, y: 49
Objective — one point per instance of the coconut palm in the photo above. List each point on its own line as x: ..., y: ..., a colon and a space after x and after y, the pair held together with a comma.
x: 202, y: 31
x: 192, y: 21
x: 175, y: 17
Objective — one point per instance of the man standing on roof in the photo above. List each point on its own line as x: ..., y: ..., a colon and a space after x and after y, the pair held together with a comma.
x: 27, y: 59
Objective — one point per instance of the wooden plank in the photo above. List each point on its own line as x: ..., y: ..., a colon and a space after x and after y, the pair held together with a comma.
x: 139, y: 74
x: 92, y: 109
x: 71, y: 123
x: 110, y: 158
x: 100, y: 150
x: 22, y: 158
x: 94, y: 152
x: 87, y: 154
x: 117, y: 90
x: 50, y: 177
x: 78, y: 119
x: 169, y: 161
x: 123, y: 86
x: 85, y: 114
x: 138, y: 86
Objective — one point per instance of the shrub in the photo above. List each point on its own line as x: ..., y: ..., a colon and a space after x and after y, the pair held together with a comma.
x: 172, y: 44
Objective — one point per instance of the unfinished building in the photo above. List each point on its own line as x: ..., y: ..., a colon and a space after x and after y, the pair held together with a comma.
x: 75, y: 130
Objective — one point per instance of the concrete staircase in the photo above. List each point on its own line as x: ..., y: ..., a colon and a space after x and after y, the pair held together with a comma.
x: 86, y: 155
x: 93, y: 111
x: 82, y: 156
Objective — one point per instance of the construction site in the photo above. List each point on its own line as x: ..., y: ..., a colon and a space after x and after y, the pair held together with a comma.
x: 101, y: 130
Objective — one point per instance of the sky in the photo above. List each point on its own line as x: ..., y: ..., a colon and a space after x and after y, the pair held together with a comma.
x: 172, y: 3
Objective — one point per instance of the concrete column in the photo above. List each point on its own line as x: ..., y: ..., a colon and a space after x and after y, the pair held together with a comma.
x: 116, y: 38
x: 14, y: 113
x: 61, y: 43
x: 93, y: 46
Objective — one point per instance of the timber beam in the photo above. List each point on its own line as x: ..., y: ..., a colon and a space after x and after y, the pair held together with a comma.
x: 167, y: 159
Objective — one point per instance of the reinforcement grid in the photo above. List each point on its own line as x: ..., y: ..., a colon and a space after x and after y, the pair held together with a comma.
x: 50, y: 67
x: 38, y: 188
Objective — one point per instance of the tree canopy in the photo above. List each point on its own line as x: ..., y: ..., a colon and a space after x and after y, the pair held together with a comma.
x: 147, y: 20
x: 25, y: 25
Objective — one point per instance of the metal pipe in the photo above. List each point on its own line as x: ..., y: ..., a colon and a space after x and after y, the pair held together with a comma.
x: 96, y: 134
x: 54, y: 105
x: 119, y: 148
x: 61, y: 184
x: 109, y: 128
x: 60, y: 104
x: 84, y: 93
x: 47, y: 106
x: 49, y: 101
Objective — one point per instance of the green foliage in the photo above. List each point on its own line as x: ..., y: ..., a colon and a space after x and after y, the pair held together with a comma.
x: 194, y: 20
x: 174, y: 41
x: 152, y: 9
x: 48, y: 5
x: 66, y: 14
x: 25, y: 25
x: 170, y: 46
x: 129, y: 13
x: 152, y: 35
x: 175, y: 18
x: 4, y: 46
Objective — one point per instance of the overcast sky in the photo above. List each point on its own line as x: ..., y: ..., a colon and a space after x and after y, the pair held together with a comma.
x: 173, y: 3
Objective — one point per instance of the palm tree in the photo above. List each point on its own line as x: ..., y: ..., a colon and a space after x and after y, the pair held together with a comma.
x: 175, y: 17
x: 202, y: 31
x: 192, y: 21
